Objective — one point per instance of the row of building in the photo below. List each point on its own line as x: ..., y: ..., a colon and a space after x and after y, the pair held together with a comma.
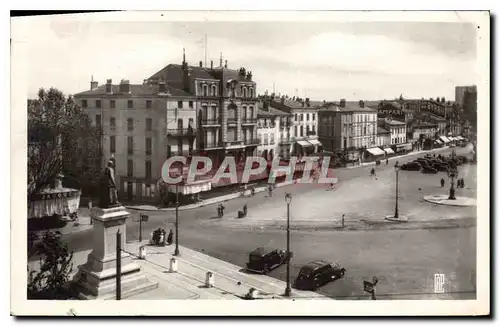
x: 215, y: 111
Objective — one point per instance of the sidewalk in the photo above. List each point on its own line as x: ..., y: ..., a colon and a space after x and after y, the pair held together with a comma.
x: 230, y: 281
x: 82, y: 224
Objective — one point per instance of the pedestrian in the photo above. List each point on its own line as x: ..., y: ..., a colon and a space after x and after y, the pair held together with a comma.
x: 442, y: 182
x: 270, y: 189
x: 343, y: 220
x: 90, y: 211
x: 387, y: 161
x: 245, y: 210
x: 462, y: 182
x: 170, y: 237
x: 332, y: 185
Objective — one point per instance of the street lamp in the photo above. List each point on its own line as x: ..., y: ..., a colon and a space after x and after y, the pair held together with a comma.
x: 397, y: 168
x: 452, y: 186
x: 176, y: 252
x: 288, y: 200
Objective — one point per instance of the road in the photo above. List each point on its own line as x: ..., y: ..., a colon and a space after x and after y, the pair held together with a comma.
x: 403, y: 257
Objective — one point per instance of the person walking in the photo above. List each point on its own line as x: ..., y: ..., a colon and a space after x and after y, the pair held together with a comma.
x: 170, y: 237
x: 442, y: 182
x: 387, y: 161
x: 270, y: 190
x: 90, y: 211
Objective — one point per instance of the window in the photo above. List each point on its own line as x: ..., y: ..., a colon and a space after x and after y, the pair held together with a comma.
x: 84, y: 103
x: 307, y: 117
x: 112, y: 123
x: 301, y: 131
x: 148, y: 169
x: 204, y: 90
x: 190, y: 122
x: 112, y: 104
x: 130, y: 168
x: 214, y: 90
x: 112, y: 144
x: 307, y: 130
x: 179, y: 104
x: 130, y: 104
x: 190, y: 104
x: 148, y: 146
x: 314, y: 129
x: 149, y: 104
x: 98, y: 120
x: 295, y: 130
x: 130, y: 145
x: 314, y: 117
x: 180, y: 124
x: 244, y: 91
x: 130, y: 124
x: 364, y: 130
x: 251, y: 92
x: 98, y: 104
x: 149, y: 124
x: 296, y: 117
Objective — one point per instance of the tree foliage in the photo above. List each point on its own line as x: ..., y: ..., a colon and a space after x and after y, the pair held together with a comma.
x: 60, y: 139
x: 48, y: 282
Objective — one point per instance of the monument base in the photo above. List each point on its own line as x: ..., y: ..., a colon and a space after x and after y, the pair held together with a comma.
x: 96, y: 279
x: 400, y: 219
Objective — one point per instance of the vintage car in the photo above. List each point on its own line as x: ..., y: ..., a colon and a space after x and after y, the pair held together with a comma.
x: 440, y: 167
x: 263, y: 260
x: 318, y: 273
x: 411, y: 166
x: 429, y: 170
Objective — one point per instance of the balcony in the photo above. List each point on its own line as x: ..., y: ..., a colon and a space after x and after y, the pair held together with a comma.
x: 231, y: 143
x: 210, y: 145
x: 253, y: 141
x: 211, y: 122
x: 232, y: 120
x: 248, y: 121
x: 181, y: 132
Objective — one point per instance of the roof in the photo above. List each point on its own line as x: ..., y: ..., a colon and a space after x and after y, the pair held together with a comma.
x: 135, y: 90
x: 381, y: 130
x: 424, y: 125
x: 173, y: 72
x: 316, y: 264
x: 350, y: 107
x: 261, y: 251
x: 270, y: 111
x: 393, y: 122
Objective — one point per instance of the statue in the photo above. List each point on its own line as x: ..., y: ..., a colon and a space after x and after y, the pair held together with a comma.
x: 109, y: 195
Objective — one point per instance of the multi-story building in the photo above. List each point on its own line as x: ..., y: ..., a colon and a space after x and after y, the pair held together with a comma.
x: 460, y: 93
x: 383, y: 137
x: 347, y: 130
x: 305, y: 125
x: 398, y: 134
x: 226, y: 108
x: 273, y: 130
x: 424, y: 134
x: 141, y: 126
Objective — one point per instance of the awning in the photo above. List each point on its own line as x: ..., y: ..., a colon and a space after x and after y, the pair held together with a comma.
x: 375, y: 151
x: 388, y: 150
x: 437, y: 141
x: 315, y: 142
x: 406, y: 146
x: 304, y: 143
x: 460, y: 138
x: 444, y: 139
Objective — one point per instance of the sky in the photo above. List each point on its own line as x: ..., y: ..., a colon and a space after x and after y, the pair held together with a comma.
x: 317, y: 59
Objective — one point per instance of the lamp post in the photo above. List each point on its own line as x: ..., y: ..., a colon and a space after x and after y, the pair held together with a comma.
x: 176, y: 252
x: 397, y: 168
x: 288, y: 200
x: 452, y: 186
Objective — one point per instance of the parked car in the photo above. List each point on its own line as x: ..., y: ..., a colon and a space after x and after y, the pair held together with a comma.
x: 318, y: 273
x: 429, y: 170
x: 411, y: 166
x: 440, y: 167
x: 263, y: 260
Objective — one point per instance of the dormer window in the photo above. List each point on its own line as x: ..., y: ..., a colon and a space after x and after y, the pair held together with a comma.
x: 214, y: 90
x: 205, y: 90
x: 244, y: 91
x: 250, y: 91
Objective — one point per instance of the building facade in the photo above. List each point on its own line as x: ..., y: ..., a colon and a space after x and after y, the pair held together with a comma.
x: 383, y: 137
x: 347, y: 128
x: 273, y: 131
x: 226, y: 107
x: 141, y: 126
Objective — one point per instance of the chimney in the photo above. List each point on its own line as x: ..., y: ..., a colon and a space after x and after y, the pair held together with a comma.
x: 282, y: 100
x: 225, y: 65
x: 93, y: 85
x: 242, y: 72
x: 307, y: 102
x: 361, y: 103
x: 249, y: 76
x: 125, y: 86
x: 201, y: 64
x: 342, y: 103
x: 109, y: 84
x: 211, y: 64
x: 162, y: 87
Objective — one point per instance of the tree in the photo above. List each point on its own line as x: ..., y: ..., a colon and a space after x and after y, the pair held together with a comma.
x: 60, y: 139
x: 49, y: 281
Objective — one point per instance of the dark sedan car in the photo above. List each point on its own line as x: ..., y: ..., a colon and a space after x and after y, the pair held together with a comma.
x: 263, y: 260
x: 429, y: 170
x: 318, y: 273
x: 411, y: 166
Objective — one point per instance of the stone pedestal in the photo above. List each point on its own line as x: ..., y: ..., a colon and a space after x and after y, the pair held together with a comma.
x: 96, y: 279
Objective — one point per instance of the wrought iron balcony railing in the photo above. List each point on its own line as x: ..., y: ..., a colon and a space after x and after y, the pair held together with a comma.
x: 181, y: 132
x: 211, y: 121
